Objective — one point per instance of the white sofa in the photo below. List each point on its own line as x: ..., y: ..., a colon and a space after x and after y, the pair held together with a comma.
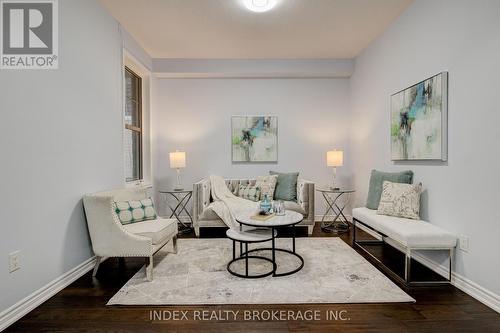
x: 112, y: 239
x: 203, y: 218
x: 410, y: 234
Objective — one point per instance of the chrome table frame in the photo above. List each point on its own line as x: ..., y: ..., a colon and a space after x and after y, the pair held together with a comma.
x: 332, y: 198
x: 182, y: 198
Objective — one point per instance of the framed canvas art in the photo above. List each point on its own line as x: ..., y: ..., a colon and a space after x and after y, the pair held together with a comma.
x: 419, y: 117
x: 254, y: 139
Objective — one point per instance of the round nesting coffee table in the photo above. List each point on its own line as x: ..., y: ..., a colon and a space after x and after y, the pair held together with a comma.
x: 290, y: 219
x: 256, y: 235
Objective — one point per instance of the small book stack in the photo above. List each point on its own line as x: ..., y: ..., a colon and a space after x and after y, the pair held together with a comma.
x: 262, y: 217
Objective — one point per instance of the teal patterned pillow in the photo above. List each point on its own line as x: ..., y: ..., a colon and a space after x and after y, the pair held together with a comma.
x: 249, y: 192
x: 135, y: 210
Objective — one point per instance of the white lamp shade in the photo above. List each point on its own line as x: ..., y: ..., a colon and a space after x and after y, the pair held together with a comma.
x: 177, y: 160
x: 335, y: 158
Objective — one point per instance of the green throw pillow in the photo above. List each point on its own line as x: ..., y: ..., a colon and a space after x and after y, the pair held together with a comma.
x: 377, y: 178
x: 286, y: 187
x: 135, y: 210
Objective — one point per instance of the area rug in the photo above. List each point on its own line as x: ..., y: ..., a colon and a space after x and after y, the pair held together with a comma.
x: 333, y: 273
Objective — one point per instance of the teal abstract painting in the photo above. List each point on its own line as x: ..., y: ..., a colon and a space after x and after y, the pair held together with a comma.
x: 254, y: 138
x: 419, y: 120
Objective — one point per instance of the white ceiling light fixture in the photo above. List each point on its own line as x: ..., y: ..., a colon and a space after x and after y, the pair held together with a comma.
x: 260, y: 6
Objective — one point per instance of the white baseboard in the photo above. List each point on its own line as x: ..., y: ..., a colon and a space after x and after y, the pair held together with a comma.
x: 469, y: 287
x: 24, y: 306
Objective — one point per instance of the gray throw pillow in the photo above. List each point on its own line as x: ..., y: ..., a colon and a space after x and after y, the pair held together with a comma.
x: 377, y: 178
x: 286, y: 187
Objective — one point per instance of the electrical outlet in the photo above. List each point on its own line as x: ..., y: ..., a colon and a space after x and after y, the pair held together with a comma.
x: 464, y: 243
x: 14, y: 263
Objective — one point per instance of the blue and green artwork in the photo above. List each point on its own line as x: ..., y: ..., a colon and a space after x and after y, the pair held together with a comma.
x: 419, y: 120
x: 254, y: 138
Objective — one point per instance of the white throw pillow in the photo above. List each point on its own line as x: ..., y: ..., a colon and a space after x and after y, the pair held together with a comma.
x: 400, y: 200
x: 267, y: 184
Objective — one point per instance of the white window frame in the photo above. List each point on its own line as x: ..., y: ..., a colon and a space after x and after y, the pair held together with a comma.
x: 134, y: 65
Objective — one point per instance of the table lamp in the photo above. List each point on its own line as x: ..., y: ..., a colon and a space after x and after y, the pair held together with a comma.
x: 334, y: 158
x: 178, y: 161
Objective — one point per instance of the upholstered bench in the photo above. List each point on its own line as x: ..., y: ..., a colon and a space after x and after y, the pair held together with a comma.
x: 409, y: 234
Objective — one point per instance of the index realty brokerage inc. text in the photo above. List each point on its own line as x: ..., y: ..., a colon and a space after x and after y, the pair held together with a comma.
x: 248, y: 315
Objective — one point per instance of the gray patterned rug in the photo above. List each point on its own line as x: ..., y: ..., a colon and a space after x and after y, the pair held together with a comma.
x: 333, y: 273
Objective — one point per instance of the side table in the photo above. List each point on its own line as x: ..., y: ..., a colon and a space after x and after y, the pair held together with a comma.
x: 336, y: 200
x: 178, y: 205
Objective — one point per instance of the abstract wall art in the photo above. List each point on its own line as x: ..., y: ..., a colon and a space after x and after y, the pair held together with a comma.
x: 254, y: 139
x: 419, y: 116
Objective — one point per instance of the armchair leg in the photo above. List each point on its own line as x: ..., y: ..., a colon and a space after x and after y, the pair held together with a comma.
x: 174, y: 244
x: 149, y: 269
x: 96, y: 267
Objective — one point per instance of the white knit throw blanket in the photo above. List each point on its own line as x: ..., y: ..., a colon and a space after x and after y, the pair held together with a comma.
x: 228, y: 206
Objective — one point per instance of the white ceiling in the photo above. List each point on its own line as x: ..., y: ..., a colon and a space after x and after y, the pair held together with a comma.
x: 224, y: 29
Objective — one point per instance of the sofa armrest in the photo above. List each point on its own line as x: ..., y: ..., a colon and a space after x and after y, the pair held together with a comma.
x: 305, y: 197
x: 201, y: 198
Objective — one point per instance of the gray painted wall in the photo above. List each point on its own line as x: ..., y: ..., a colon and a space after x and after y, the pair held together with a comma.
x: 61, y: 137
x: 65, y: 139
x: 195, y: 115
x: 429, y: 37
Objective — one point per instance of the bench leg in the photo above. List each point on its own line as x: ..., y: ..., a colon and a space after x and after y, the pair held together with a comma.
x: 451, y: 263
x: 408, y: 265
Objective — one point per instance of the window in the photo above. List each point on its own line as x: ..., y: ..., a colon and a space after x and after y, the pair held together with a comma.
x: 132, y: 134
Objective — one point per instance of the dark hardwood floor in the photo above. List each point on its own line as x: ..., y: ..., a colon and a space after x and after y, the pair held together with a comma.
x: 81, y: 308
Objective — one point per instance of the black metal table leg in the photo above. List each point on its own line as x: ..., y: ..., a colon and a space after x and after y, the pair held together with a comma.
x: 246, y: 259
x: 273, y: 246
x: 234, y: 249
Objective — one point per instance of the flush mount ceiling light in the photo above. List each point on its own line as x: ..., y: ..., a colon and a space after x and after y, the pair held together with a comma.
x: 259, y: 6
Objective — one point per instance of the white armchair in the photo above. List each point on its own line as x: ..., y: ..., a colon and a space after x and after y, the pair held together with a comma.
x: 112, y: 239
